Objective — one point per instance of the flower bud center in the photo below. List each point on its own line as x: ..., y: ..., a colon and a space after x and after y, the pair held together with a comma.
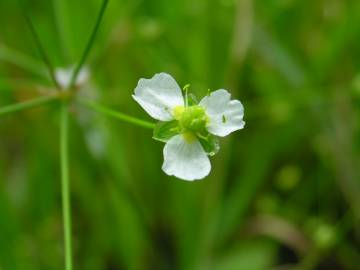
x: 191, y: 118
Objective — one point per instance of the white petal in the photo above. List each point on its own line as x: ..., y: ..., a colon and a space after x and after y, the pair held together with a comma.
x: 82, y: 76
x: 225, y: 115
x: 158, y: 96
x: 63, y: 76
x: 185, y: 160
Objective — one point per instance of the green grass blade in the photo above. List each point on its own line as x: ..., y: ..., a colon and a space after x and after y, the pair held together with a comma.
x: 39, y: 45
x: 121, y: 116
x: 90, y: 43
x: 65, y: 188
x: 63, y: 24
x: 26, y: 105
x: 21, y: 60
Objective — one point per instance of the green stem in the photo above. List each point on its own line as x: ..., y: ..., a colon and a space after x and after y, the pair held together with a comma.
x: 124, y: 117
x: 39, y: 45
x: 26, y: 104
x: 63, y: 25
x: 22, y: 60
x: 89, y: 44
x: 23, y: 84
x: 65, y: 189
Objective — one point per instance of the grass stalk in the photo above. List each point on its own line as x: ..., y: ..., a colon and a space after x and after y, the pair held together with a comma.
x: 65, y: 187
x: 26, y: 105
x: 89, y: 44
x: 23, y: 61
x: 64, y: 27
x: 118, y: 115
x: 39, y: 45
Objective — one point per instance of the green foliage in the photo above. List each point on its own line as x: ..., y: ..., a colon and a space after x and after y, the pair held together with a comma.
x: 256, y: 255
x: 210, y: 144
x: 165, y: 130
x: 293, y: 64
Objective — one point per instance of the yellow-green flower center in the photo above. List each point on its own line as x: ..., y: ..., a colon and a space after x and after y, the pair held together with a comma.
x: 191, y: 119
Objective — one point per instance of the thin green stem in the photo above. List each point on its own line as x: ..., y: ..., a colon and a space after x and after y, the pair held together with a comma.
x: 21, y: 60
x: 118, y: 115
x: 65, y: 189
x: 89, y: 44
x: 26, y: 104
x: 39, y: 45
x: 63, y: 24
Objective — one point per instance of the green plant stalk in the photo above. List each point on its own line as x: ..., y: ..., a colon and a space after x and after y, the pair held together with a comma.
x: 121, y: 116
x: 39, y: 45
x: 65, y: 188
x: 63, y: 24
x: 26, y: 104
x: 23, y: 61
x: 89, y: 44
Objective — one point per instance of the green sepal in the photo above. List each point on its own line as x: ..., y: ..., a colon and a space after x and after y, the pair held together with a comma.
x: 165, y: 130
x: 210, y: 143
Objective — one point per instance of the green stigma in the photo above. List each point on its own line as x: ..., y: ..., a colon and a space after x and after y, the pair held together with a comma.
x: 191, y: 119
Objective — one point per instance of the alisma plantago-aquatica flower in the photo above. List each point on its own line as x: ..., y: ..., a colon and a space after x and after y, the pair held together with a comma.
x: 188, y: 128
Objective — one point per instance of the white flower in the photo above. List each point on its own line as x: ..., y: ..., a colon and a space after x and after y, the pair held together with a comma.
x: 63, y: 76
x: 216, y: 114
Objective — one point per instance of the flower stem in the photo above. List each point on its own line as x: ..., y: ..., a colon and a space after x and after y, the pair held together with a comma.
x: 21, y: 60
x: 65, y: 189
x: 26, y: 104
x: 39, y: 45
x: 89, y: 44
x: 118, y: 115
x: 63, y: 25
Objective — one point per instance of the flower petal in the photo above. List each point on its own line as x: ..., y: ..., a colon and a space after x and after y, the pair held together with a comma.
x: 185, y: 160
x: 63, y: 76
x: 158, y: 96
x: 225, y: 115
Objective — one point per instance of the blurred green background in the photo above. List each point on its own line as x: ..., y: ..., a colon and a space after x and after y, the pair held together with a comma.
x: 284, y: 193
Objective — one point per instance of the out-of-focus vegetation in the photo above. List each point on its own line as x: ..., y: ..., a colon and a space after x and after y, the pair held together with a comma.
x: 284, y: 193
